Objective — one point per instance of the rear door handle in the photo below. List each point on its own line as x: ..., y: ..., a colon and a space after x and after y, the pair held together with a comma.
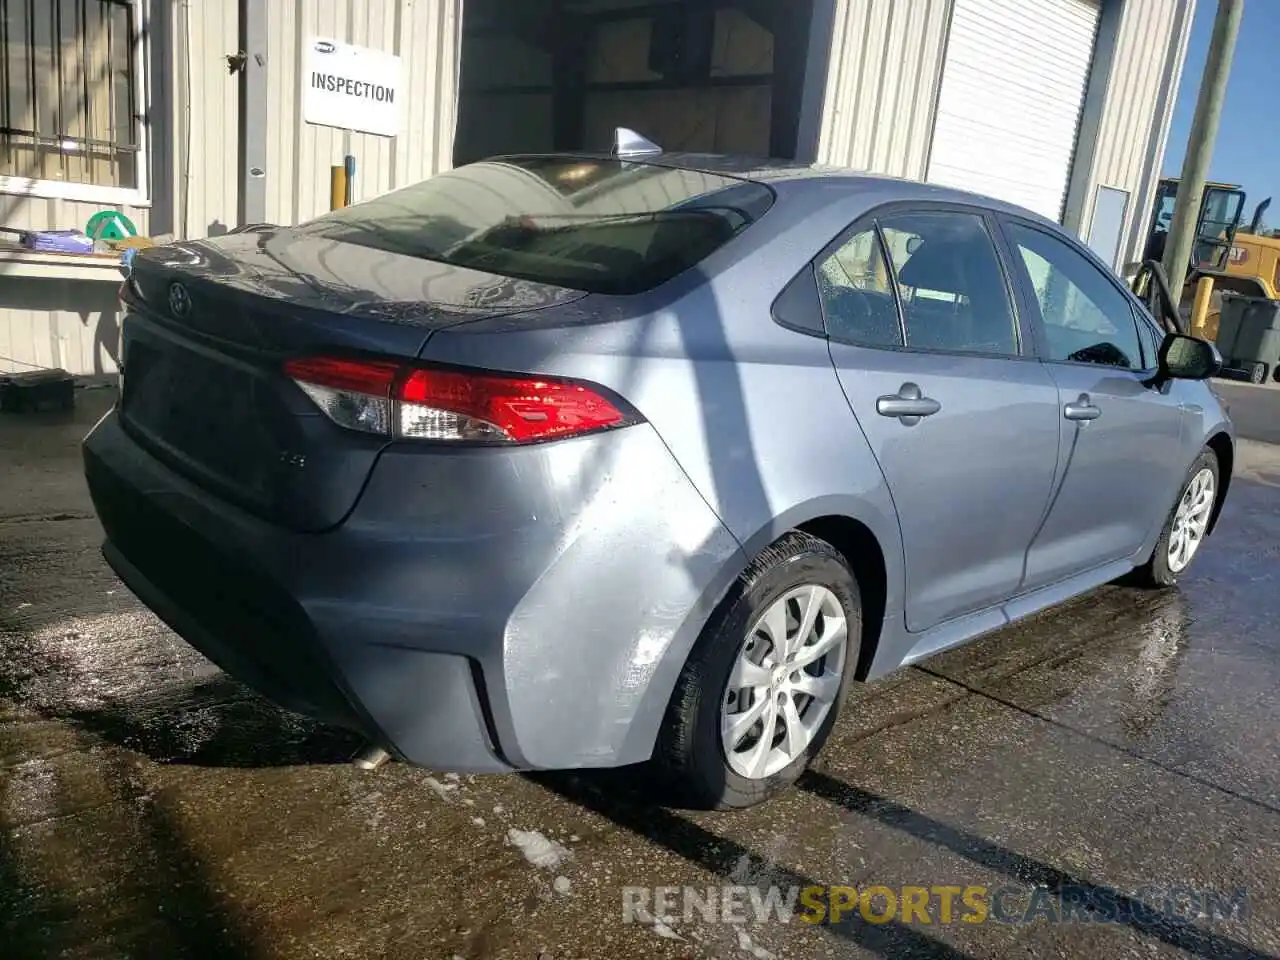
x: 1082, y: 409
x: 907, y: 405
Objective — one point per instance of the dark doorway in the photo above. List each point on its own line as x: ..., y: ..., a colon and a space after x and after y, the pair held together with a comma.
x: 721, y: 76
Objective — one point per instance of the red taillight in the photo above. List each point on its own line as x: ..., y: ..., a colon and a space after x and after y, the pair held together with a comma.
x: 428, y: 403
x: 444, y: 403
x: 358, y: 376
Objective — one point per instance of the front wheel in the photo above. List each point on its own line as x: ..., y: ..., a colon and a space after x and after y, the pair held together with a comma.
x: 762, y: 689
x: 1186, y: 527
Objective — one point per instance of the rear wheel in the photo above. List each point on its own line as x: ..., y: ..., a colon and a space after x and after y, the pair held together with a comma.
x: 1186, y: 527
x: 1258, y: 373
x: 763, y: 687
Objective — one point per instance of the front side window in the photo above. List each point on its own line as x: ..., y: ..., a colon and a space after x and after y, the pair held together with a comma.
x: 1151, y: 340
x: 603, y: 226
x: 954, y: 295
x: 1086, y: 318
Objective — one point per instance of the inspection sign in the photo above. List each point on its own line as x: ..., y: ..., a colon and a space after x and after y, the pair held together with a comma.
x: 352, y: 88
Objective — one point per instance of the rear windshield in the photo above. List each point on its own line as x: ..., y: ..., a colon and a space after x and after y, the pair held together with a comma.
x: 603, y: 226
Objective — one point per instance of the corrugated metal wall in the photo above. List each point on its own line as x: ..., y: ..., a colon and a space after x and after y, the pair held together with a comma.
x: 58, y: 323
x: 425, y: 34
x: 206, y: 111
x: 74, y: 324
x: 1134, y: 125
x: 882, y: 84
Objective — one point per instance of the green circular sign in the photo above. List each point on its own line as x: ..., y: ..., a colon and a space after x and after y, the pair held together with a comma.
x: 110, y: 225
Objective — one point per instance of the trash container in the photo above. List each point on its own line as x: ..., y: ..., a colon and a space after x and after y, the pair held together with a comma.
x: 1249, y: 336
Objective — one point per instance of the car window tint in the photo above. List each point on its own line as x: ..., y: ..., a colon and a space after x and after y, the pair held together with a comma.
x: 953, y: 292
x: 1086, y: 319
x: 857, y: 297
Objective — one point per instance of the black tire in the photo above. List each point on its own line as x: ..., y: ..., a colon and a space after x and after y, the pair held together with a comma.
x: 1155, y: 573
x: 1258, y: 373
x: 689, y: 754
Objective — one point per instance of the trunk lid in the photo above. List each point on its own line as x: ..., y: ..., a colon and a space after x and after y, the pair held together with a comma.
x: 210, y: 323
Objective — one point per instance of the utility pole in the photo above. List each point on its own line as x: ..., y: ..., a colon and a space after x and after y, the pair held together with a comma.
x: 1200, y: 141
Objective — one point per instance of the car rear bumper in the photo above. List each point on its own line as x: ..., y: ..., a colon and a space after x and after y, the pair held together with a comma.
x: 479, y: 610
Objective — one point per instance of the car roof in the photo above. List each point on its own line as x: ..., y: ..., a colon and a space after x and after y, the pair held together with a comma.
x: 795, y: 174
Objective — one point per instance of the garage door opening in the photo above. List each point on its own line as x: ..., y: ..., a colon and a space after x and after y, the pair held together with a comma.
x: 699, y: 75
x: 1013, y: 86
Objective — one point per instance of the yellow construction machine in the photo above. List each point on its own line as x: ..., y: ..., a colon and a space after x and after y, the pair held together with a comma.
x: 1235, y: 259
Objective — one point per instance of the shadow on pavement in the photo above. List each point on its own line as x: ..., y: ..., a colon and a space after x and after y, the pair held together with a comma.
x: 35, y: 921
x: 618, y: 796
x: 117, y: 872
x: 1092, y: 898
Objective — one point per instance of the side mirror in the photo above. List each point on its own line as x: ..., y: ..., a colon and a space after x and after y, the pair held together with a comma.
x: 913, y: 244
x: 1188, y: 358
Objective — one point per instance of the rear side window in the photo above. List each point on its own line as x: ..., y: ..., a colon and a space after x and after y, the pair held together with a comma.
x: 953, y: 291
x: 603, y: 226
x: 857, y: 294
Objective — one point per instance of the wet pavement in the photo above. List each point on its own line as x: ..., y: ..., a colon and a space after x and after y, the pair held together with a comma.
x: 1122, y: 751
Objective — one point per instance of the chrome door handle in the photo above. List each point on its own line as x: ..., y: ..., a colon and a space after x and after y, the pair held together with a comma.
x: 908, y: 405
x: 1082, y: 409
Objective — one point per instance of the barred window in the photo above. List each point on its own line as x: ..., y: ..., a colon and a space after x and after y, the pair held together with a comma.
x: 69, y: 84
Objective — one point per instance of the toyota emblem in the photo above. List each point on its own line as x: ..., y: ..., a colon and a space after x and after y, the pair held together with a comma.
x: 179, y: 301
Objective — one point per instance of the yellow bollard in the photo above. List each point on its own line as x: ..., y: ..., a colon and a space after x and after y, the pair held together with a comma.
x: 337, y: 186
x: 1199, y: 325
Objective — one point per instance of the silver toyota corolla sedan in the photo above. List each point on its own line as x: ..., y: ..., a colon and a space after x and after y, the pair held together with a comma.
x: 581, y: 461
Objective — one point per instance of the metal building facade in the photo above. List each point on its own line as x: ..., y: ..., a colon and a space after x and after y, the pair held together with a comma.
x: 875, y: 73
x: 65, y: 318
x: 883, y: 77
x: 1132, y: 120
x: 426, y: 34
x: 68, y: 318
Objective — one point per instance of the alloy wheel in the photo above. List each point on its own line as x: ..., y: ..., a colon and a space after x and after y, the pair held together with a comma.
x: 1191, y: 520
x: 784, y: 682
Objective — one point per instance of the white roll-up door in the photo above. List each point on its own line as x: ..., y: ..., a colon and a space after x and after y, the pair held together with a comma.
x: 1009, y: 107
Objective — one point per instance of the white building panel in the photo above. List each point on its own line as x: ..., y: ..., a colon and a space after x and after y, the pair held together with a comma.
x: 1013, y: 83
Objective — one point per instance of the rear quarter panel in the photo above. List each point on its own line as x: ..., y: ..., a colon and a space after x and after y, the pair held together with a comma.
x: 752, y: 412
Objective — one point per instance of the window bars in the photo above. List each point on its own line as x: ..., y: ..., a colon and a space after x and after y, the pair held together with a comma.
x: 68, y: 84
